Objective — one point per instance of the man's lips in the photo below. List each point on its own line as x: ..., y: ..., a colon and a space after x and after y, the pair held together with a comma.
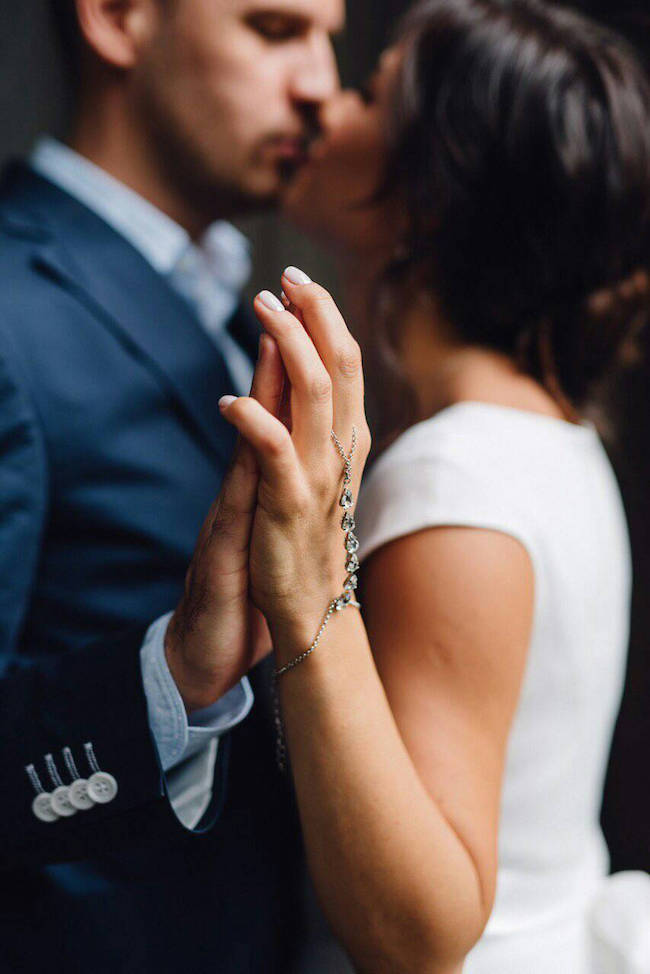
x: 291, y: 149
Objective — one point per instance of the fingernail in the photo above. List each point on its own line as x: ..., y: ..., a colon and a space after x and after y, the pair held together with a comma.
x: 284, y: 298
x: 296, y: 276
x: 270, y: 301
x: 225, y: 401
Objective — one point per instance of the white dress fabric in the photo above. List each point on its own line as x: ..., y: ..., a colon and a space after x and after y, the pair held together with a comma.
x: 549, y: 484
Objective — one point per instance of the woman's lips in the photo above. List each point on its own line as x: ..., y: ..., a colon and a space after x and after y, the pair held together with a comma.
x: 289, y: 149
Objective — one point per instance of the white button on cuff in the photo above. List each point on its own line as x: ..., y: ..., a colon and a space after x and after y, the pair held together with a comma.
x: 102, y: 787
x: 61, y: 802
x: 42, y: 808
x: 78, y: 795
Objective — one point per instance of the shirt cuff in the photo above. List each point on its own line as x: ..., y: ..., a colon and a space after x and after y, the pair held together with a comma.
x: 176, y: 738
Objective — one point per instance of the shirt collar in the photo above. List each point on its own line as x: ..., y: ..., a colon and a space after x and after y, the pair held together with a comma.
x: 156, y: 236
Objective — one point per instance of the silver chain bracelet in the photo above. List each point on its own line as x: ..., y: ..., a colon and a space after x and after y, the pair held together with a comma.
x: 343, y: 601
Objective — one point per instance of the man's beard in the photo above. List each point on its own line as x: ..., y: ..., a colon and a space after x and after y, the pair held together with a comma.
x: 203, y: 192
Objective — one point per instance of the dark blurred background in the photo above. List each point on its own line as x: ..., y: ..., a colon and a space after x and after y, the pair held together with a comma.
x: 33, y: 99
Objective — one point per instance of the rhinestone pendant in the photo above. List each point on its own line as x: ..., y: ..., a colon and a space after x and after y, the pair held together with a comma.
x: 352, y: 564
x: 351, y: 543
x: 343, y: 601
x: 347, y: 500
x: 348, y: 522
x: 351, y: 583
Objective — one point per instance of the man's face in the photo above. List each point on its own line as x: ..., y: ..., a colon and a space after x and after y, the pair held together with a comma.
x: 228, y: 92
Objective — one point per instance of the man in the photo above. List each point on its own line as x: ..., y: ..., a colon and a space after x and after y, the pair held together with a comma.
x: 135, y: 835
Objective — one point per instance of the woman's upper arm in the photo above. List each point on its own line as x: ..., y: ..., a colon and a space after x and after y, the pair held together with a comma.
x: 449, y: 612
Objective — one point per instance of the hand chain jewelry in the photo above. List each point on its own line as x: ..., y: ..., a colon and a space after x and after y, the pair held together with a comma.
x: 336, y: 605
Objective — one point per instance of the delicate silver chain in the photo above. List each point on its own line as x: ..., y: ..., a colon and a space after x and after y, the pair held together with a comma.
x: 303, y: 656
x: 336, y: 605
x: 346, y: 457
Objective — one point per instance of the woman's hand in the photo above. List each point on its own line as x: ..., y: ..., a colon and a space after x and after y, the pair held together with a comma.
x: 216, y: 635
x: 297, y: 552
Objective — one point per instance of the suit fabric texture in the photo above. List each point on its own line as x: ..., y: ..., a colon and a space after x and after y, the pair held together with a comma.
x: 112, y: 449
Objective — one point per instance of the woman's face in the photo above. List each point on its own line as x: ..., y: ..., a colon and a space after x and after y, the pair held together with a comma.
x: 329, y: 196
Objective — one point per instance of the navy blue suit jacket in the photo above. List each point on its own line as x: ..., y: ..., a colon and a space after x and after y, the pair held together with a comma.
x: 111, y: 451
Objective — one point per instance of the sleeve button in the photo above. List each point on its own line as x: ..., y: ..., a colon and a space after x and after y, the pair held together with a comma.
x: 61, y: 802
x: 42, y: 808
x: 78, y: 795
x: 102, y: 787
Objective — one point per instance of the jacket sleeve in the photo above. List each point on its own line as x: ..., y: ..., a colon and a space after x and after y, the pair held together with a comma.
x: 51, y: 701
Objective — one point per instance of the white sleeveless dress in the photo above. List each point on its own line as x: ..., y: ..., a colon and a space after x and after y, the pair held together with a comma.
x: 549, y: 484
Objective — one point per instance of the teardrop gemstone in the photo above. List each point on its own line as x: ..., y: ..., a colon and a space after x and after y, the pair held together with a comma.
x: 352, y: 543
x: 347, y: 499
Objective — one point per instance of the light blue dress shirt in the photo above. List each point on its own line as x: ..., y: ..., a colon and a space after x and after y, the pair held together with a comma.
x: 210, y: 275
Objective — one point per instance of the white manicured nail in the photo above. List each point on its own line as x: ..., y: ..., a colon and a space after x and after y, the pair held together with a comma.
x: 225, y: 401
x: 270, y: 301
x: 296, y: 276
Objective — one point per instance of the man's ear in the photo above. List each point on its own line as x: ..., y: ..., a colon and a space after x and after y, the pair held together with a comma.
x: 116, y: 29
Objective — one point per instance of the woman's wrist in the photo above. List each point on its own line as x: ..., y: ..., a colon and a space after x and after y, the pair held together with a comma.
x: 294, y: 628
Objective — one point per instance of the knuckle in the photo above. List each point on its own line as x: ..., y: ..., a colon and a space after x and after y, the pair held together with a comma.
x: 277, y: 443
x: 295, y: 498
x: 302, y: 496
x: 348, y: 359
x: 319, y: 387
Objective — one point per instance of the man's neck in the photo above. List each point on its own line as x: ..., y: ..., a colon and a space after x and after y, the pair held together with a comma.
x: 123, y: 151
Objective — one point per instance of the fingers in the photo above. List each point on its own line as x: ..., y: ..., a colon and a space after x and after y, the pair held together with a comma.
x: 311, y: 387
x: 335, y: 345
x: 238, y: 494
x: 269, y: 375
x: 268, y: 437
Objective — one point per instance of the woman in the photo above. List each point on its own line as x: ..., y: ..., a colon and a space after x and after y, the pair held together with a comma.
x: 449, y: 747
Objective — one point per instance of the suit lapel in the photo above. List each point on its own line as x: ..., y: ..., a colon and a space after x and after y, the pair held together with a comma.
x: 93, y: 262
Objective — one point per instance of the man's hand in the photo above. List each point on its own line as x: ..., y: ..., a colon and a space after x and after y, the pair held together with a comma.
x: 216, y: 634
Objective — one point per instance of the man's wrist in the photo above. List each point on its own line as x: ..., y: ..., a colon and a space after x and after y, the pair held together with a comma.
x: 198, y: 686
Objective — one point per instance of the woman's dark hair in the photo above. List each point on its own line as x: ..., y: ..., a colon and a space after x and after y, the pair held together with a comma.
x: 630, y: 18
x: 522, y: 154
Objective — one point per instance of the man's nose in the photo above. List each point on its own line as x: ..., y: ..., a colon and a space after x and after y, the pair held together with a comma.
x: 316, y: 76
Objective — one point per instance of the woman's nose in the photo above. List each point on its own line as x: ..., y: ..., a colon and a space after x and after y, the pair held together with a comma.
x: 337, y: 109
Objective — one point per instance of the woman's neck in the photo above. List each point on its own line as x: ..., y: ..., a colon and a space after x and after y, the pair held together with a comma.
x: 441, y: 370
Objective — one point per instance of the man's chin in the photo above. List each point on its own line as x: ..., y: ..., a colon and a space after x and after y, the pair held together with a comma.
x: 283, y: 191
x: 269, y: 193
